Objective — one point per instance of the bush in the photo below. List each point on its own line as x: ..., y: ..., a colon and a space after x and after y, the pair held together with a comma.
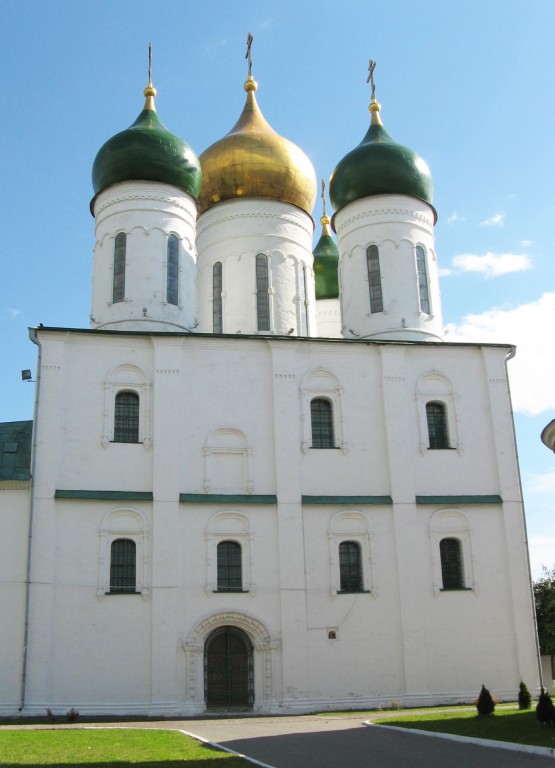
x: 545, y: 711
x: 524, y: 698
x: 485, y: 704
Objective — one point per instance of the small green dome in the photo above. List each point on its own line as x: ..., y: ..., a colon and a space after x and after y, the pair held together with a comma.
x: 379, y: 166
x: 147, y: 151
x: 326, y: 261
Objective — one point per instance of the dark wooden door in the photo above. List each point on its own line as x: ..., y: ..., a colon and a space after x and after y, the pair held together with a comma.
x: 228, y: 669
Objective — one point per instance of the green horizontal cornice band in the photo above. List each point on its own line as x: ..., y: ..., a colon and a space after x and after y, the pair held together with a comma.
x: 105, y: 495
x: 494, y: 499
x: 347, y: 500
x: 226, y: 498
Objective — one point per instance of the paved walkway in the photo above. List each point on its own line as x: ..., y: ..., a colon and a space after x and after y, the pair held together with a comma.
x: 322, y: 742
x: 311, y: 741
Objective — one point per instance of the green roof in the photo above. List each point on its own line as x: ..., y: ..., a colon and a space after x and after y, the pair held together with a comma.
x: 147, y: 151
x: 380, y: 166
x: 15, y: 450
x: 326, y: 260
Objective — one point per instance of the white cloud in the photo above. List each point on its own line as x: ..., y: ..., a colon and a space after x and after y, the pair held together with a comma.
x: 492, y: 264
x: 444, y: 271
x: 494, y: 221
x: 12, y: 312
x: 455, y: 217
x: 544, y: 483
x: 530, y: 328
x: 526, y: 243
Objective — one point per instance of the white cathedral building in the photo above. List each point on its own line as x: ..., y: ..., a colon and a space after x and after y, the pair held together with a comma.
x: 261, y: 479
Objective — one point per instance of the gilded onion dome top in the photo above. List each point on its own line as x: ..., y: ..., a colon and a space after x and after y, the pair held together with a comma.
x: 326, y: 259
x: 252, y: 160
x: 379, y: 166
x: 147, y: 151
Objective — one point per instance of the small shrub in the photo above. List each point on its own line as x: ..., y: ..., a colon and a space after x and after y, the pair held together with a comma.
x: 485, y: 704
x: 545, y: 711
x: 72, y: 715
x: 524, y: 698
x: 395, y: 705
x: 50, y: 715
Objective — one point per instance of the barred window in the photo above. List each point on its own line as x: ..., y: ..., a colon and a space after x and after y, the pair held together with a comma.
x: 303, y: 304
x: 321, y: 416
x: 217, y: 324
x: 126, y: 418
x: 229, y: 567
x: 122, y: 566
x: 262, y: 293
x: 120, y: 249
x: 452, y: 572
x: 436, y: 416
x: 423, y: 292
x: 374, y: 279
x: 172, y: 294
x: 350, y: 567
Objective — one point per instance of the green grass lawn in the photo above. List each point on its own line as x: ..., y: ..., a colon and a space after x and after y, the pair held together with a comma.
x: 507, y: 724
x: 110, y: 748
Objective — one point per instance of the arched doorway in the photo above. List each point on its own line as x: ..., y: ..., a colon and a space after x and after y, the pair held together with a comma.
x: 228, y: 669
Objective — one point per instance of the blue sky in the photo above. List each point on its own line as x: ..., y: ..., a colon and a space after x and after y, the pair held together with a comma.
x: 468, y: 85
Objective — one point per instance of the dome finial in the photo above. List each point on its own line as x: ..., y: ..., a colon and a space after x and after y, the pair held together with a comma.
x: 250, y: 84
x: 325, y: 220
x: 150, y: 90
x: 374, y: 107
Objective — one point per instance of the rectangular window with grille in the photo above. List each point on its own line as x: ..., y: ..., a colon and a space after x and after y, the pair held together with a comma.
x: 350, y: 567
x: 217, y: 323
x: 262, y: 293
x: 120, y: 248
x: 423, y: 292
x: 321, y: 416
x: 229, y: 567
x: 122, y: 566
x: 374, y: 279
x: 173, y: 270
x: 438, y: 435
x: 126, y: 418
x: 452, y: 572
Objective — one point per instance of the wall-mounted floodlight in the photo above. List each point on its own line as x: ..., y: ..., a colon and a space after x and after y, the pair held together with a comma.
x: 26, y: 375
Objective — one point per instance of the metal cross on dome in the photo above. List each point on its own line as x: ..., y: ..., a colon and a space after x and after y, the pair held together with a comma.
x: 250, y: 38
x: 370, y: 79
x: 150, y: 62
x: 323, y: 196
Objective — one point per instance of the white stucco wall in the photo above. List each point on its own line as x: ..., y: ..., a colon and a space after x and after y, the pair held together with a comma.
x: 147, y: 213
x: 396, y: 225
x: 14, y: 517
x: 232, y: 416
x: 233, y: 233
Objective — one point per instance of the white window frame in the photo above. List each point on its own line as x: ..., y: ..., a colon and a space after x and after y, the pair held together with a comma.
x: 320, y: 383
x: 435, y: 387
x: 450, y: 524
x: 350, y: 525
x: 229, y: 525
x: 123, y: 523
x: 126, y: 378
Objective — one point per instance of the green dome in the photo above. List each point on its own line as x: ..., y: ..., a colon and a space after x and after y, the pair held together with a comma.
x: 326, y: 261
x: 147, y: 151
x: 379, y: 166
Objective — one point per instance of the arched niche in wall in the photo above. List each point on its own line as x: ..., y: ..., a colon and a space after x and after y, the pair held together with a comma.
x: 227, y: 462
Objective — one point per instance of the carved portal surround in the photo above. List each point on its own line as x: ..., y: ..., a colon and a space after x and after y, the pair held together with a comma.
x: 264, y: 648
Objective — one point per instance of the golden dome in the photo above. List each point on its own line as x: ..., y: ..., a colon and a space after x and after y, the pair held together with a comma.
x: 252, y: 160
